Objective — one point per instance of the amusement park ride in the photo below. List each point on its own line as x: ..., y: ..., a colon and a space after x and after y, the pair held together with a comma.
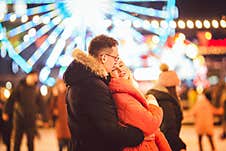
x: 60, y: 26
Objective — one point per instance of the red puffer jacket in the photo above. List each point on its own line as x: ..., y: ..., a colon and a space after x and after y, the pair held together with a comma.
x: 133, y: 110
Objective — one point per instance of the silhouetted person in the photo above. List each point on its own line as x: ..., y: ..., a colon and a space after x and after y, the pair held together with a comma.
x: 25, y: 102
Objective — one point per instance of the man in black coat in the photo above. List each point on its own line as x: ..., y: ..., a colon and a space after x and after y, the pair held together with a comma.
x: 92, y: 113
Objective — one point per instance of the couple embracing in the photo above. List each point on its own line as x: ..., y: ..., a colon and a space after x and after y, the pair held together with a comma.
x: 106, y: 112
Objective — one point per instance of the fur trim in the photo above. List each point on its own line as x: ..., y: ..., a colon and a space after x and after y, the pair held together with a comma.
x: 90, y: 62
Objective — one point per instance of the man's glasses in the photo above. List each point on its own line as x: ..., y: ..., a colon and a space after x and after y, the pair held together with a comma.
x: 116, y: 58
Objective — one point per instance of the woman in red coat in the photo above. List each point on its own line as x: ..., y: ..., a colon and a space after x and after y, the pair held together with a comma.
x: 133, y: 110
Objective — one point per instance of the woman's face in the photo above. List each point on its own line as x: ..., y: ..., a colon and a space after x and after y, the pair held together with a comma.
x: 120, y: 71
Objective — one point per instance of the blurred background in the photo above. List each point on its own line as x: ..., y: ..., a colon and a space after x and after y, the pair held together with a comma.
x: 189, y: 36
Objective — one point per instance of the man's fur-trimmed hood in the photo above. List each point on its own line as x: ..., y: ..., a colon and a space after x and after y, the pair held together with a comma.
x: 82, y: 67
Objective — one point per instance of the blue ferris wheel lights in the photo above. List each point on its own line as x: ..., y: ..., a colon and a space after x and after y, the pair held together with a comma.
x: 68, y: 21
x: 124, y: 15
x: 137, y: 35
x: 39, y: 52
x: 33, y: 11
x: 30, y: 24
x: 63, y: 9
x: 40, y: 9
x: 43, y: 30
x: 140, y: 0
x: 50, y: 81
x: 17, y: 58
x: 33, y: 1
x: 44, y: 74
x: 70, y: 47
x: 12, y: 53
x: 57, y: 50
x: 141, y: 10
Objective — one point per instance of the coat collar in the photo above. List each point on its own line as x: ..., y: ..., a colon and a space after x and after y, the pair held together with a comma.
x: 90, y: 62
x: 120, y: 85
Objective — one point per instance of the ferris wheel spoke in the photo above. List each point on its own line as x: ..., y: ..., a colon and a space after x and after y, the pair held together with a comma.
x: 140, y: 0
x: 33, y: 1
x: 71, y: 45
x: 123, y: 15
x: 31, y: 24
x: 41, y: 9
x: 43, y: 30
x: 32, y: 11
x: 57, y: 50
x: 137, y: 35
x: 70, y: 25
x: 39, y: 52
x: 16, y: 57
x: 142, y: 10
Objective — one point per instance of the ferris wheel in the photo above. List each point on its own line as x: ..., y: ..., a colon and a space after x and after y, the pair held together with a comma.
x: 55, y: 27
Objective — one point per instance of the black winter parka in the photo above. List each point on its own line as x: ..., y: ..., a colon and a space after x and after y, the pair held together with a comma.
x: 92, y: 113
x: 172, y: 117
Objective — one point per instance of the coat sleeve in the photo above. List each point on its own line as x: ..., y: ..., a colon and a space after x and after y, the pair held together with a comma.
x: 101, y: 109
x: 161, y: 141
x: 133, y: 113
x: 170, y: 126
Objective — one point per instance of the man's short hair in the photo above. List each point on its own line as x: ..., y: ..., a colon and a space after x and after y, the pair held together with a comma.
x: 100, y: 43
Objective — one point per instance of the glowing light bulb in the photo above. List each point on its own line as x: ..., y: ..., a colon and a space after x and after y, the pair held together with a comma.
x: 181, y: 24
x: 206, y: 24
x: 198, y: 24
x: 223, y: 23
x: 190, y: 24
x: 215, y: 23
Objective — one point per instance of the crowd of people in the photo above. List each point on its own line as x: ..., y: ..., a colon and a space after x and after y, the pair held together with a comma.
x: 98, y: 106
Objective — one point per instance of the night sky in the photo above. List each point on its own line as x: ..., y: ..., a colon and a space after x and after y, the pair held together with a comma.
x: 201, y: 8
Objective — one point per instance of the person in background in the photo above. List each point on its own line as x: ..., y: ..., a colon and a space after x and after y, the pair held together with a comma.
x: 192, y: 96
x: 203, y: 112
x: 133, y: 109
x: 166, y: 95
x: 223, y: 105
x: 58, y: 108
x: 92, y: 113
x: 24, y: 104
x: 6, y: 121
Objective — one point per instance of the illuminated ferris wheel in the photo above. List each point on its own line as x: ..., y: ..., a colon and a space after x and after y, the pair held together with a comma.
x: 56, y: 27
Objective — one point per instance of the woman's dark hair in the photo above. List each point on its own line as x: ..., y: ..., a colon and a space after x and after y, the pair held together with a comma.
x: 100, y: 43
x: 172, y: 92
